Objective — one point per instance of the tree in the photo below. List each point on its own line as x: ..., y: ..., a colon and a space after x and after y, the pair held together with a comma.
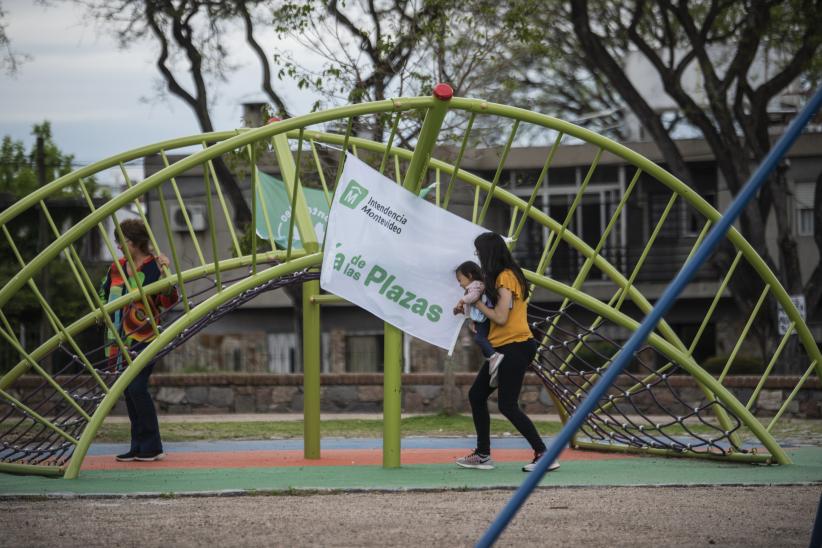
x: 10, y: 59
x: 367, y: 45
x: 813, y: 289
x: 725, y: 40
x: 367, y: 49
x: 18, y: 169
x: 190, y: 36
x: 548, y: 71
x: 23, y: 172
x: 370, y: 50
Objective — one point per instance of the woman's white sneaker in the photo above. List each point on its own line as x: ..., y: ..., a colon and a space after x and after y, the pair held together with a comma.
x: 533, y: 464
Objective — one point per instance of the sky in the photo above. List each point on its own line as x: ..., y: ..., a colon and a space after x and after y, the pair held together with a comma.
x: 102, y: 100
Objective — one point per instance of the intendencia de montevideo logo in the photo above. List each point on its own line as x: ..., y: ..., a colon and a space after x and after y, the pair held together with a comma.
x: 382, y: 214
x: 353, y: 194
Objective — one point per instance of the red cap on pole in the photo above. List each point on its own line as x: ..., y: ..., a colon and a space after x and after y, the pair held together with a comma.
x: 443, y: 92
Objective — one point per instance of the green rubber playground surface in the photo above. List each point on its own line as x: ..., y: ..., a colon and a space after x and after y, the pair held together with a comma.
x: 633, y: 471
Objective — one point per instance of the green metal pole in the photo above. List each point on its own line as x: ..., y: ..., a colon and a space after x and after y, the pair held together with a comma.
x: 392, y: 357
x: 289, y: 171
x: 311, y: 370
x: 428, y: 137
x: 392, y: 397
x: 290, y: 175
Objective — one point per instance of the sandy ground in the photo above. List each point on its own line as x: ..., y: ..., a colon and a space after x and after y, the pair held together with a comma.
x: 567, y: 517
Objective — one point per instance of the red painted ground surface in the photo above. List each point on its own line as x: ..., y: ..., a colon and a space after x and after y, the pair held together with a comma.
x: 339, y: 457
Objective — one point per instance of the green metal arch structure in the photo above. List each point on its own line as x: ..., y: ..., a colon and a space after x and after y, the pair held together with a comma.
x: 47, y: 425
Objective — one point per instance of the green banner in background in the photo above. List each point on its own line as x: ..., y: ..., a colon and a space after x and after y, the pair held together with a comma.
x: 278, y: 207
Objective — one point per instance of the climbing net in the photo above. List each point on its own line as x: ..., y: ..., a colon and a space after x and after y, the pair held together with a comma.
x: 643, y: 408
x: 41, y: 422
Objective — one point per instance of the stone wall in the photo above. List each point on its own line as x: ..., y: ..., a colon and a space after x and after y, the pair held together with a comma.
x: 422, y: 393
x: 213, y: 393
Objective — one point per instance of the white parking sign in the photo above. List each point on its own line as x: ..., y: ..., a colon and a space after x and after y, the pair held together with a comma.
x: 783, y: 320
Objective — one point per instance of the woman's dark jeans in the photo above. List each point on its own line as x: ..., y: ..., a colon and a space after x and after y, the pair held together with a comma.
x: 510, y: 377
x: 145, y: 428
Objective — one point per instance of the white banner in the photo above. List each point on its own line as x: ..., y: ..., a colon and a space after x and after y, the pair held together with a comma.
x: 394, y: 254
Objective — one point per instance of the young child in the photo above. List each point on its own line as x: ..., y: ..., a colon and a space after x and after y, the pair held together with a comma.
x: 469, y: 276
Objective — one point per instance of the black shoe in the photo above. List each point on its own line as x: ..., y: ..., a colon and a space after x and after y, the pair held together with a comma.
x: 150, y: 457
x: 127, y: 457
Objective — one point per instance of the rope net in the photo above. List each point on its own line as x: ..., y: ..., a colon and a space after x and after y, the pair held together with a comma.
x: 48, y: 417
x: 642, y: 409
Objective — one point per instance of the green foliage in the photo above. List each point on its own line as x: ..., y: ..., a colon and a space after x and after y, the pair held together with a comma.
x: 244, y: 239
x: 18, y: 178
x: 18, y: 168
x: 399, y: 49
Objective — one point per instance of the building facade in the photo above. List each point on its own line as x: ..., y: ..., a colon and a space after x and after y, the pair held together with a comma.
x: 263, y: 334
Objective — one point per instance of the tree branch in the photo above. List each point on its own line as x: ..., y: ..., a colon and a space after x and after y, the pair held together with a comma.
x: 263, y: 58
x: 162, y: 59
x: 600, y: 58
x: 365, y: 43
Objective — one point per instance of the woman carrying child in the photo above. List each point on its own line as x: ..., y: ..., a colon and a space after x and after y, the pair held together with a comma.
x: 510, y: 336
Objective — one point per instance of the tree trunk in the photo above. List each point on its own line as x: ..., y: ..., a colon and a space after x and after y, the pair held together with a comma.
x: 813, y: 289
x: 788, y: 248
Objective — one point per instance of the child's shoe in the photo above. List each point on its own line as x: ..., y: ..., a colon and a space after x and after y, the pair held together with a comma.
x: 493, y: 367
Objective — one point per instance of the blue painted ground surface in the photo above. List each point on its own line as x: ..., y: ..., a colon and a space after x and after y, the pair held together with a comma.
x: 513, y: 442
x: 296, y: 444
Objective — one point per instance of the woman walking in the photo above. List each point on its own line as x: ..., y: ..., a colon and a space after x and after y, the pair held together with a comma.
x: 510, y: 336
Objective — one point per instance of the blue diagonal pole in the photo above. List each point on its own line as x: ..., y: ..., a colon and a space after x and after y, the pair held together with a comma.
x: 816, y: 534
x: 665, y: 302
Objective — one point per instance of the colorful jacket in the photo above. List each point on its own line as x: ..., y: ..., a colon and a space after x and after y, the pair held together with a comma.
x: 131, y: 321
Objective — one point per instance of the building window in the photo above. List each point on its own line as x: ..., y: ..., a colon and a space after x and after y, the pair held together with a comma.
x: 364, y: 353
x: 692, y: 220
x: 589, y: 220
x: 657, y: 204
x: 527, y: 178
x: 804, y: 208
x: 804, y: 221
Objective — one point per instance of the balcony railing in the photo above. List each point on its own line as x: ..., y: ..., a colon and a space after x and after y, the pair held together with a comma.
x: 661, y: 263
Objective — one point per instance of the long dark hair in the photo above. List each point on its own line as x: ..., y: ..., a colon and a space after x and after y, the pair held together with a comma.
x: 495, y: 257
